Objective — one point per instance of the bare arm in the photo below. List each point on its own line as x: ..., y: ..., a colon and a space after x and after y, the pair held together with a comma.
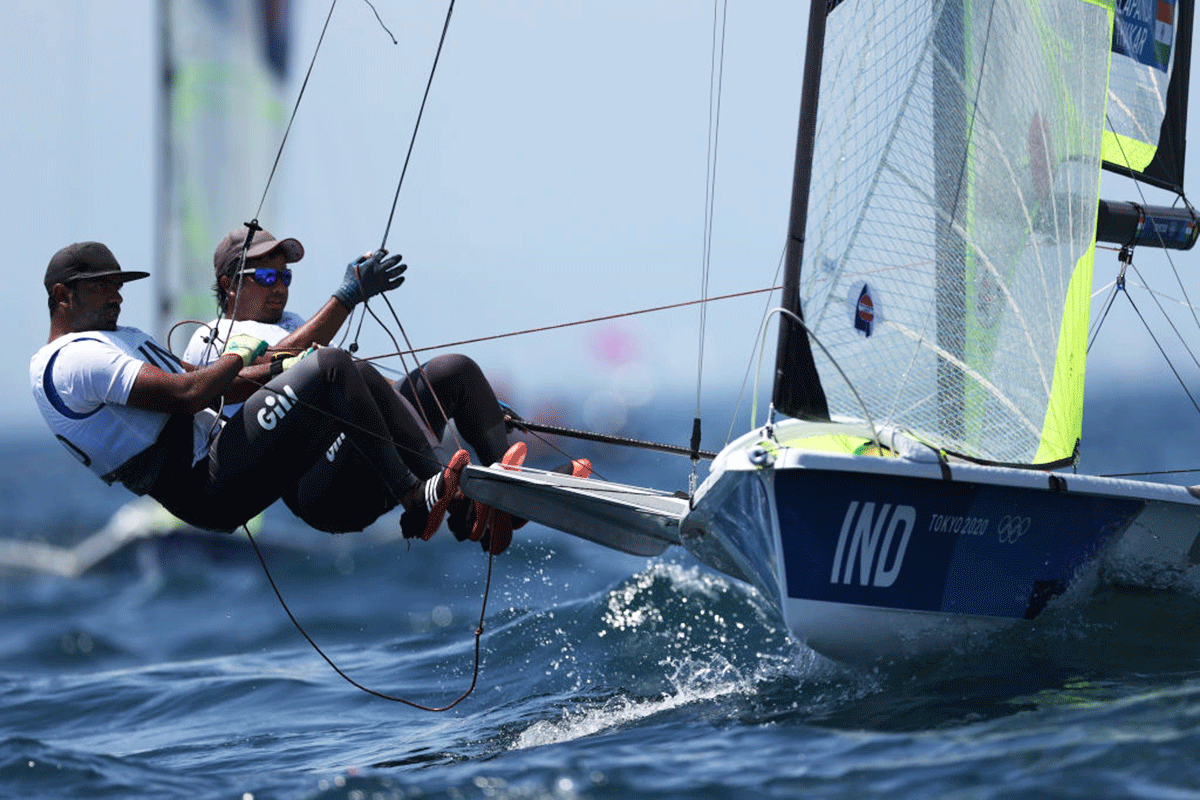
x: 319, y: 329
x: 248, y: 381
x: 184, y: 392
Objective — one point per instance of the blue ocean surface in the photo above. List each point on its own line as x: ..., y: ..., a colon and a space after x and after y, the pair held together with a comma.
x: 169, y: 668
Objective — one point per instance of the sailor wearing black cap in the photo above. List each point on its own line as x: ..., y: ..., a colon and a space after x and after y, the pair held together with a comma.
x: 133, y: 413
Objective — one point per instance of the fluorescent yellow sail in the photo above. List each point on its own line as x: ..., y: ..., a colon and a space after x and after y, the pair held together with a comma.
x: 1064, y: 415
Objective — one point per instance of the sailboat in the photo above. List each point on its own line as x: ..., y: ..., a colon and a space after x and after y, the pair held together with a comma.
x: 915, y: 481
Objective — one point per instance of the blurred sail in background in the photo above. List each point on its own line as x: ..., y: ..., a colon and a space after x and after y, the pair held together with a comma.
x: 224, y: 76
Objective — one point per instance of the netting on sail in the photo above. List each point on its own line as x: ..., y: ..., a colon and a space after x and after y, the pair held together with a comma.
x: 954, y: 192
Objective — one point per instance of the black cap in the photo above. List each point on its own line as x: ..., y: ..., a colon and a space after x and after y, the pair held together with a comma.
x: 229, y: 251
x: 86, y: 260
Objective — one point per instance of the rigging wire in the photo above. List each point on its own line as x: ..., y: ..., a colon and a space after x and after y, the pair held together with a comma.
x: 1126, y: 258
x: 715, y: 79
x: 1120, y: 286
x: 252, y: 227
x: 605, y: 318
x: 387, y: 229
x: 750, y: 363
x: 295, y: 109
x: 379, y: 19
x: 1166, y: 357
x: 1170, y: 322
x: 413, y: 139
x: 419, y: 368
x: 1112, y: 296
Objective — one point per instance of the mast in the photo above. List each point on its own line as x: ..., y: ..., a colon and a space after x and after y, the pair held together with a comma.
x: 798, y: 390
x: 164, y: 218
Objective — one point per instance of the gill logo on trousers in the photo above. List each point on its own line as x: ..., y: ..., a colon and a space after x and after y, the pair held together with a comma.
x: 277, y: 405
x: 867, y: 538
x: 332, y: 452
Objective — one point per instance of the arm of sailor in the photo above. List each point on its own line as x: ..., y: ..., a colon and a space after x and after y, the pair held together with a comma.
x: 319, y: 329
x: 183, y: 392
x: 248, y: 381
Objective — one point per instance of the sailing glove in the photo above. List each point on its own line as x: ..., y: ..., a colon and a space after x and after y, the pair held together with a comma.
x: 370, y: 275
x: 287, y: 362
x: 247, y: 346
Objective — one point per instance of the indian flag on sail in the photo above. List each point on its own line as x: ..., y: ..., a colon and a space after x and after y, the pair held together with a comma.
x: 1164, y: 26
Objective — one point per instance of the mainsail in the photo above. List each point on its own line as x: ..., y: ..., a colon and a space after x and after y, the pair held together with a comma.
x: 951, y: 220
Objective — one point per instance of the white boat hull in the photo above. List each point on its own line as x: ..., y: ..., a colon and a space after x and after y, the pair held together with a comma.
x: 873, y: 558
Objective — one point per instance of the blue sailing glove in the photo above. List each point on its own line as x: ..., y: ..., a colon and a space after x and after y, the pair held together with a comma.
x: 370, y: 275
x: 247, y: 346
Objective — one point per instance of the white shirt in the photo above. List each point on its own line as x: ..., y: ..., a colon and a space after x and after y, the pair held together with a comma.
x: 81, y: 384
x: 204, y: 348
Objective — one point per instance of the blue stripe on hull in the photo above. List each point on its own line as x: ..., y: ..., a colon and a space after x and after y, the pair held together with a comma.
x: 942, y: 546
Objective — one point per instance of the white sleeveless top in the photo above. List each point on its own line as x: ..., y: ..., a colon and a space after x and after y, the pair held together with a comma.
x: 81, y: 382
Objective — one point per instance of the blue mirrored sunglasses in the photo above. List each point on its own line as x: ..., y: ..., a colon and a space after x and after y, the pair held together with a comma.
x: 264, y: 276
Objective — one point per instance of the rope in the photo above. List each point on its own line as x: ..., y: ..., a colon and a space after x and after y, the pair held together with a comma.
x: 295, y: 109
x: 419, y: 368
x: 383, y: 695
x: 413, y: 140
x: 1167, y: 358
x: 532, y: 427
x: 1154, y: 472
x: 545, y: 328
x: 716, y: 75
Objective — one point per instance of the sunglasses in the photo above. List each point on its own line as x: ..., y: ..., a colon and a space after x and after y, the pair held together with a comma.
x: 265, y: 276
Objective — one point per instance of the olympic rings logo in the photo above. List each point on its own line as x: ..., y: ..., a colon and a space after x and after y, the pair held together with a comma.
x: 1012, y: 528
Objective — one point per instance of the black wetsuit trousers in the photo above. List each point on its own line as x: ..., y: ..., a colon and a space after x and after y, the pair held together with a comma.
x: 277, y: 436
x: 417, y: 406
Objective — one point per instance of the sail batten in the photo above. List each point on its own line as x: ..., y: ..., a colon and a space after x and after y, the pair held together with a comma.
x: 952, y: 201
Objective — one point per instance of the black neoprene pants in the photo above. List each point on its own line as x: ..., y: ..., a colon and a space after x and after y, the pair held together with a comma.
x: 417, y: 407
x: 279, y: 434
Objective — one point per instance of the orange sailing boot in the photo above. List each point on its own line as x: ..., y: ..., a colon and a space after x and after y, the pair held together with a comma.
x: 426, y: 516
x: 513, y: 459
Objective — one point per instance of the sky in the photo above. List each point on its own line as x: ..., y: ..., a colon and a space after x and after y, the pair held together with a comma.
x: 559, y: 175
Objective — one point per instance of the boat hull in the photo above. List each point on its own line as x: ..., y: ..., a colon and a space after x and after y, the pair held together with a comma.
x: 874, y: 558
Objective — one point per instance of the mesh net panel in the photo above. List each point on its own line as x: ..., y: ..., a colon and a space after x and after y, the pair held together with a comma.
x: 954, y: 191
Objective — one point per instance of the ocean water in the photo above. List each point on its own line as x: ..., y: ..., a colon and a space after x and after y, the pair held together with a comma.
x: 169, y: 669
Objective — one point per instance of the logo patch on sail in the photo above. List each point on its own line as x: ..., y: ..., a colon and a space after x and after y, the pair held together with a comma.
x: 1144, y: 30
x: 866, y: 312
